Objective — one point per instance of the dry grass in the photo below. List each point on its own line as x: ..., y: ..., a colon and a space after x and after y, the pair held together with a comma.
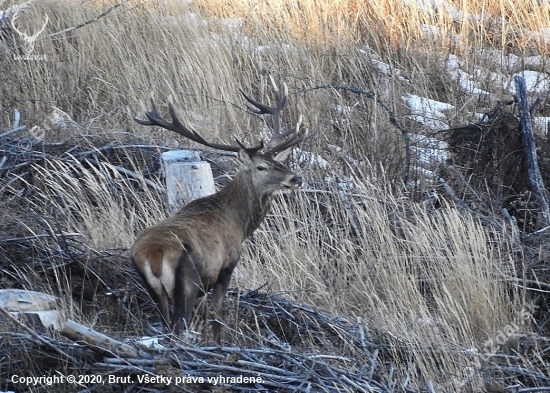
x: 419, y: 277
x: 167, y: 48
x: 423, y: 278
x: 99, y: 202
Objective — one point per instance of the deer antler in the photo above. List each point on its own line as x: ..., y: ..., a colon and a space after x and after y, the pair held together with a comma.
x: 280, y: 140
x: 154, y: 119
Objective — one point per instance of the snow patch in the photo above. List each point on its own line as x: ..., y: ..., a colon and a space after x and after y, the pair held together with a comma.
x: 436, y: 33
x: 427, y: 111
x: 149, y: 342
x: 429, y: 153
x: 542, y: 123
x: 505, y: 61
x: 536, y: 82
x: 8, y: 13
x: 343, y: 109
x: 467, y: 82
x: 383, y: 67
x: 311, y: 159
x: 264, y: 49
x: 434, y: 7
x: 453, y: 63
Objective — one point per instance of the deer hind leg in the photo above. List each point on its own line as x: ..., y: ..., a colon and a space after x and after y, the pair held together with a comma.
x: 165, y: 308
x: 201, y: 306
x: 185, y: 293
x: 220, y: 289
x: 159, y: 296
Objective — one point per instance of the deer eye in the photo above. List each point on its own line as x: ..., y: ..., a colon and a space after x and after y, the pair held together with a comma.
x: 261, y: 168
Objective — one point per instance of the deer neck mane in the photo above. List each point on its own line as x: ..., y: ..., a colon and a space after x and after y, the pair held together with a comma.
x: 245, y: 203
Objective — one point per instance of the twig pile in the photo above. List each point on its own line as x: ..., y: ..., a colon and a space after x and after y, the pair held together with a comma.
x: 493, y: 166
x: 278, y: 364
x: 344, y: 357
x: 17, y: 156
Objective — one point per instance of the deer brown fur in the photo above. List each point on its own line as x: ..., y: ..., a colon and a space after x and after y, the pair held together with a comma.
x: 197, y: 248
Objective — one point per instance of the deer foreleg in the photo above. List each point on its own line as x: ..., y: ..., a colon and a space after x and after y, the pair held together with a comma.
x: 220, y: 289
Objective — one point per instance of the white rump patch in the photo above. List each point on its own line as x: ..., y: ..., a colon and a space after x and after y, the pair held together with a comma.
x: 167, y: 278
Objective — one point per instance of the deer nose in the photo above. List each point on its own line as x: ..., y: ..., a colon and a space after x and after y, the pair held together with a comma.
x: 297, y: 180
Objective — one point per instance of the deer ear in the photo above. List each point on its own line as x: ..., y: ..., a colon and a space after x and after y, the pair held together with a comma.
x: 283, y: 155
x: 244, y: 157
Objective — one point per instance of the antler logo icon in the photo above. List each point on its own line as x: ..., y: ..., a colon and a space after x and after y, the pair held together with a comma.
x: 30, y: 40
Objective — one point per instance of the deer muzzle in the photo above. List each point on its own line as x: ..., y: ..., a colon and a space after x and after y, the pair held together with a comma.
x: 293, y: 183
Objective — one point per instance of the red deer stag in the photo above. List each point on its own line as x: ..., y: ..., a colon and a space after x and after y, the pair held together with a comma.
x: 198, y: 247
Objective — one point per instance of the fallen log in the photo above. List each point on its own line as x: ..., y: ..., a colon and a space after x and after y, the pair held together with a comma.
x: 15, y: 302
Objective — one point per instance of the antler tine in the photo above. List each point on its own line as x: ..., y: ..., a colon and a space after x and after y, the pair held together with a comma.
x: 293, y: 140
x: 280, y: 140
x: 154, y: 119
x: 251, y: 150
